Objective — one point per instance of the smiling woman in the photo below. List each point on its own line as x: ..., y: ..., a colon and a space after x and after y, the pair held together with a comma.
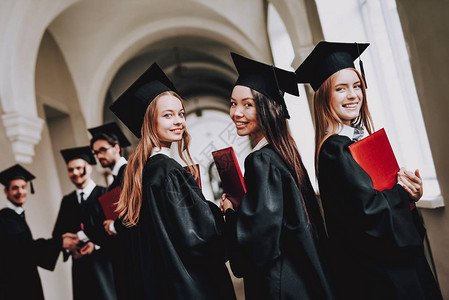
x: 172, y: 235
x: 346, y: 95
x: 243, y: 113
x: 170, y: 119
x: 276, y: 232
x: 374, y: 238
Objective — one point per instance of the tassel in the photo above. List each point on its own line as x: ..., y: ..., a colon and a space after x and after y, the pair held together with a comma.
x: 31, y: 188
x: 362, y: 70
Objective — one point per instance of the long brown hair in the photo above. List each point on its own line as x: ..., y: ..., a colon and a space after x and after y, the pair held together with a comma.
x: 131, y: 196
x: 274, y: 126
x: 327, y: 122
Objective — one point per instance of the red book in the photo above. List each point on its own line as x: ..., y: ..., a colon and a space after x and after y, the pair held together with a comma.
x: 109, y: 203
x: 230, y: 174
x: 198, y: 180
x: 375, y: 155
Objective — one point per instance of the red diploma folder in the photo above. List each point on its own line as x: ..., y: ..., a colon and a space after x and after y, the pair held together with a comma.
x: 109, y: 203
x: 375, y: 155
x: 230, y: 174
x: 198, y: 180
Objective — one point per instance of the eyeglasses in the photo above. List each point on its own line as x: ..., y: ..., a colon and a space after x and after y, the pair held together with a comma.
x: 101, y: 150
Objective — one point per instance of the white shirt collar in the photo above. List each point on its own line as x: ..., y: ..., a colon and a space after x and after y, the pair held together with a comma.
x: 18, y: 209
x: 163, y: 150
x: 346, y: 130
x: 122, y: 161
x: 262, y: 143
x: 87, y: 190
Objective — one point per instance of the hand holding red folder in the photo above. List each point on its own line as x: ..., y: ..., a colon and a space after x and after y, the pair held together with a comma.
x: 375, y: 155
x: 230, y: 175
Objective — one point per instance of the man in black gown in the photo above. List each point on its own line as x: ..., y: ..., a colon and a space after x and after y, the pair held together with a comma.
x: 20, y: 254
x: 107, y: 144
x: 81, y: 213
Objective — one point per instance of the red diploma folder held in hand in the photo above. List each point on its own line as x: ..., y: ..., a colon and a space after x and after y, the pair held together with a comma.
x: 230, y: 174
x: 198, y: 180
x: 109, y: 203
x: 375, y: 155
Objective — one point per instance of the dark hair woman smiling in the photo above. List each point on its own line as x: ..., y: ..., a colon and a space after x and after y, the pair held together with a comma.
x: 275, y: 234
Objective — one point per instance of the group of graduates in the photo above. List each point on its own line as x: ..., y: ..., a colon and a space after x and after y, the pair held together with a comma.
x: 169, y: 242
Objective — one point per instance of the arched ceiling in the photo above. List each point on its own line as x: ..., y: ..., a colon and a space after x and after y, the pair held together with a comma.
x: 107, y: 43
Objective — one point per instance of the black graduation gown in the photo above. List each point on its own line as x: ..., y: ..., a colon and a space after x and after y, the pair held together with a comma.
x: 176, y: 251
x: 20, y: 255
x: 118, y: 179
x: 375, y: 247
x: 92, y: 274
x: 115, y: 244
x: 272, y: 244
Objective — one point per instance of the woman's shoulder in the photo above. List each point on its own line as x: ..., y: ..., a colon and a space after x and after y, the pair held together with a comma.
x: 335, y: 143
x: 265, y: 157
x: 161, y: 166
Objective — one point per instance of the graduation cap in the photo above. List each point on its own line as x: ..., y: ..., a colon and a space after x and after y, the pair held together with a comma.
x: 79, y: 152
x: 328, y: 58
x: 131, y: 106
x: 16, y: 172
x: 266, y: 79
x: 112, y: 130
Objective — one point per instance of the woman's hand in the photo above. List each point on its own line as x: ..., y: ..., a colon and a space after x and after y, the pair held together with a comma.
x: 225, y: 203
x: 412, y: 183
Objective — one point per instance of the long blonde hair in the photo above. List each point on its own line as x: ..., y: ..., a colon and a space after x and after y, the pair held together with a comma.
x: 327, y: 122
x: 131, y: 196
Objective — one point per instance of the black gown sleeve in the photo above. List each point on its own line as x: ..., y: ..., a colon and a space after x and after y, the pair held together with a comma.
x: 3, y: 269
x: 375, y: 217
x: 62, y: 225
x: 93, y: 221
x: 259, y: 219
x: 46, y: 252
x: 191, y: 225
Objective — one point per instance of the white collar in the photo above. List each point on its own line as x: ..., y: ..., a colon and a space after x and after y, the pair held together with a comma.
x: 87, y: 190
x: 122, y: 161
x: 163, y: 150
x: 18, y: 209
x: 262, y: 143
x: 346, y: 130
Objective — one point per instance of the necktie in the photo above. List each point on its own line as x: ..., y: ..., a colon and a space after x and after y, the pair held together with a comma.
x: 83, y: 201
x: 22, y: 215
x: 358, y: 134
x: 83, y: 209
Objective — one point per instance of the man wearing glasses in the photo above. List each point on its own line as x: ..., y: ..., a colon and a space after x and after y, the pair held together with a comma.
x: 107, y: 143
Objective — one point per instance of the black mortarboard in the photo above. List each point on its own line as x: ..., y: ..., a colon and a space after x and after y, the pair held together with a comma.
x: 112, y: 130
x: 79, y: 152
x: 16, y: 172
x: 266, y: 79
x: 328, y: 58
x: 131, y: 106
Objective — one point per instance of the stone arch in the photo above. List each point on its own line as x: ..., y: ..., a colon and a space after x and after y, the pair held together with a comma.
x: 17, y: 72
x: 150, y: 34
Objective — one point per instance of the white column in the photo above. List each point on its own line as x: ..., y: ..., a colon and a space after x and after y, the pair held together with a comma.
x: 24, y: 132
